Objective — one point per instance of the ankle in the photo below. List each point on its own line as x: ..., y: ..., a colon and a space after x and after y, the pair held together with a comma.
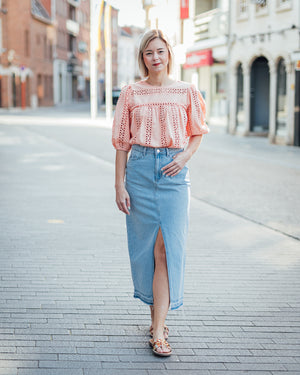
x: 158, y: 333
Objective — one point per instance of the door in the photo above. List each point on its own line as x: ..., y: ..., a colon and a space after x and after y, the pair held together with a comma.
x: 297, y: 109
x: 259, y: 95
x: 240, y: 120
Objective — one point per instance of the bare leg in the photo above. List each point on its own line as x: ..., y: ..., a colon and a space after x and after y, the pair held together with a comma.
x: 152, y: 315
x: 161, y: 293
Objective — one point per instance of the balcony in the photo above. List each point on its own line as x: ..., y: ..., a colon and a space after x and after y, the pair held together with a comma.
x: 72, y: 27
x: 75, y: 3
x: 211, y: 24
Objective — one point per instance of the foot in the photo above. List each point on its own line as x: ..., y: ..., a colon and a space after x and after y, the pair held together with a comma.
x: 166, y: 332
x: 160, y: 347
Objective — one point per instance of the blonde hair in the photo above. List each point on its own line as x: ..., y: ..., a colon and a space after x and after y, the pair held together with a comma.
x: 146, y: 39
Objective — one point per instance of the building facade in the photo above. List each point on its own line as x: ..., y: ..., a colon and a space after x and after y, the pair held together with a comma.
x: 71, y: 57
x: 264, y: 54
x: 114, y: 32
x: 206, y: 52
x: 45, y: 52
x: 128, y: 44
x: 26, y: 53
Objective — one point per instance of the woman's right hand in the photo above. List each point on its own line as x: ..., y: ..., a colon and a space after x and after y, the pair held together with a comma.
x: 123, y: 199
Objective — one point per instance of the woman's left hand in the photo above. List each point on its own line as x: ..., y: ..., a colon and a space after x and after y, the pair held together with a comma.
x: 179, y: 161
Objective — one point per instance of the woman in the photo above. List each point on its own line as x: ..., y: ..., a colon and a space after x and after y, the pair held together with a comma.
x: 156, y: 118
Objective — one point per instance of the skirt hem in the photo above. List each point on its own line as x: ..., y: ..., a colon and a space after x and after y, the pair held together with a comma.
x: 149, y: 301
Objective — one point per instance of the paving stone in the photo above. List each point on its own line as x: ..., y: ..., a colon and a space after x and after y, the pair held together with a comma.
x: 8, y: 371
x: 256, y: 366
x: 114, y: 372
x: 50, y: 371
x: 69, y: 364
x: 66, y: 291
x: 16, y: 363
x: 195, y: 366
x: 135, y: 365
x: 227, y: 372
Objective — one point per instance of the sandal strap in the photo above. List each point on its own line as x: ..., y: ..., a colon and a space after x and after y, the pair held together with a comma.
x: 159, y: 343
x: 166, y: 329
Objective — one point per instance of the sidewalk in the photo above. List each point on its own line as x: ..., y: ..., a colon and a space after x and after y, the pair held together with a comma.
x: 74, y: 113
x: 66, y: 305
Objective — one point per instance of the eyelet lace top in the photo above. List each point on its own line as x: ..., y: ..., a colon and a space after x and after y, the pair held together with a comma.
x: 158, y: 116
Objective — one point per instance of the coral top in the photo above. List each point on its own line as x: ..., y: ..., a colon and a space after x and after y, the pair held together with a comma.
x: 158, y: 116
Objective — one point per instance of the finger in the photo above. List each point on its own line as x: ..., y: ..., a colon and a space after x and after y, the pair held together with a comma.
x: 124, y: 208
x: 121, y: 206
x: 171, y: 169
x: 128, y: 202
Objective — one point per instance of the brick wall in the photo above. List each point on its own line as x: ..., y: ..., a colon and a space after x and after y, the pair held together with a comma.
x: 29, y: 44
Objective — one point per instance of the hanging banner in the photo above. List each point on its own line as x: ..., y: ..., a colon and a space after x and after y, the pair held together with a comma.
x: 184, y: 9
x: 198, y: 58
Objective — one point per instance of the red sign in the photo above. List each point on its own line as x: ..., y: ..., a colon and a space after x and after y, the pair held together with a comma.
x: 184, y: 9
x: 198, y: 58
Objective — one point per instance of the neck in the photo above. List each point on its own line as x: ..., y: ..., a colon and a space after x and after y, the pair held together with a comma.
x: 160, y: 79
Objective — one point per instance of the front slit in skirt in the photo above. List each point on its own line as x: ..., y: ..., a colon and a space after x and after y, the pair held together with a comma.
x: 157, y: 201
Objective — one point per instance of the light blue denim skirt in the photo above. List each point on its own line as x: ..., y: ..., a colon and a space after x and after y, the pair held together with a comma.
x: 157, y: 201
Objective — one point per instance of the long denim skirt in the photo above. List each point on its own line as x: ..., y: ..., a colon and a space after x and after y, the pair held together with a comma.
x: 157, y: 201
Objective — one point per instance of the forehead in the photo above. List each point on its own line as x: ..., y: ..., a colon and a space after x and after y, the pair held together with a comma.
x: 155, y: 44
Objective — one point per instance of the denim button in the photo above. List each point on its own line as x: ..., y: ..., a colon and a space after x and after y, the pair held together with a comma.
x: 158, y: 151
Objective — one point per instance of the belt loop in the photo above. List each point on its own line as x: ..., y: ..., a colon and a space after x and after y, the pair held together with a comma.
x: 145, y: 150
x: 167, y: 151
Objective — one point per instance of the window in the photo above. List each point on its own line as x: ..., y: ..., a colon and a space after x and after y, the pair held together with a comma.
x: 26, y: 44
x: 0, y: 37
x: 220, y: 83
x: 50, y: 51
x: 72, y: 43
x: 242, y: 9
x: 45, y: 46
x: 243, y: 6
x: 261, y: 6
x: 284, y: 5
x: 72, y: 13
x: 281, y: 99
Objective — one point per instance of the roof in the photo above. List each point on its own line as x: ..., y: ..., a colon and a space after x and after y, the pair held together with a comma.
x: 39, y: 11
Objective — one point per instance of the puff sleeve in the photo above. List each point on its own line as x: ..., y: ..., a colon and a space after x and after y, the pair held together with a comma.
x: 121, y: 122
x: 196, y: 112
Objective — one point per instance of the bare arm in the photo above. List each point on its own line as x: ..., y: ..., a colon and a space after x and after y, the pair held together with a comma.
x: 122, y: 196
x: 180, y: 159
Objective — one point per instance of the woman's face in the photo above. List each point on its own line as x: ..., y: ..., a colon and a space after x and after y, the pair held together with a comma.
x: 156, y: 56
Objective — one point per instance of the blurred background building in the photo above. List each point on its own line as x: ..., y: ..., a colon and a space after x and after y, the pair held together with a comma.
x: 243, y: 55
x: 27, y: 53
x: 71, y: 73
x: 205, y: 37
x: 264, y: 51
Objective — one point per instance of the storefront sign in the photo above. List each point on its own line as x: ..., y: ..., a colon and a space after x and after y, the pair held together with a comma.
x: 198, y: 58
x: 184, y: 9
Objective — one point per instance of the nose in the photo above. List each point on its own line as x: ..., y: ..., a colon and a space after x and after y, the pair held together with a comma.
x: 155, y: 55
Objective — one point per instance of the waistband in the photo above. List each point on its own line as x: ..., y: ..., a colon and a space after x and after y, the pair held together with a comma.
x: 156, y: 150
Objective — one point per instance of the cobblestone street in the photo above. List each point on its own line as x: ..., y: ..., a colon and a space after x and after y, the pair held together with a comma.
x: 66, y: 305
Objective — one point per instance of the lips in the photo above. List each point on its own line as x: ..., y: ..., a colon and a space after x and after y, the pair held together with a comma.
x: 156, y: 64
